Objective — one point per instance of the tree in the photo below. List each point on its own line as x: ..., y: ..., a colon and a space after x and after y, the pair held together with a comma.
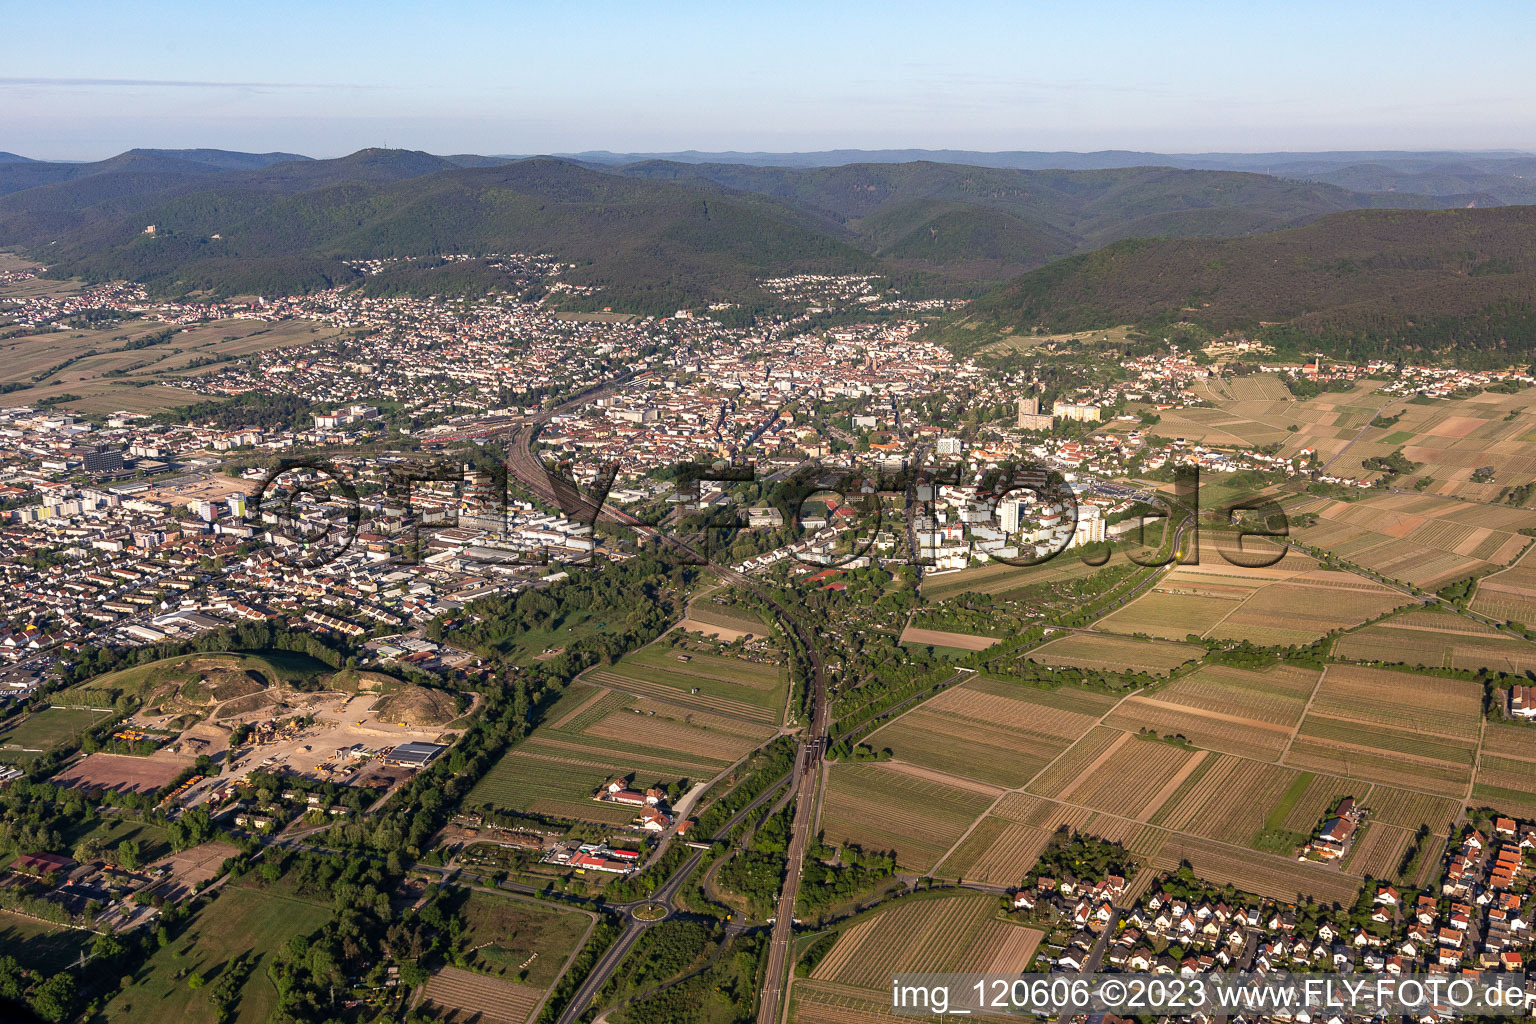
x: 54, y: 999
x: 128, y: 855
x: 106, y: 946
x: 10, y: 979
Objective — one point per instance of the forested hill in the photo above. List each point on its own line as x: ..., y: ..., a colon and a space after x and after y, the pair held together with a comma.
x: 986, y: 222
x: 1362, y: 283
x: 654, y: 235
x: 651, y: 245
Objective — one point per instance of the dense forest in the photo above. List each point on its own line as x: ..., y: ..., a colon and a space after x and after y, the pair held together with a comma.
x: 1363, y: 284
x: 652, y: 236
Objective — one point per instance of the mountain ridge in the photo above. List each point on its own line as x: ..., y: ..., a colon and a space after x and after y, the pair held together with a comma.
x: 1362, y: 284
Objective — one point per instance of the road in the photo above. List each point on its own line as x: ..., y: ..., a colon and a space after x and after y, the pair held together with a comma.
x: 531, y: 472
x: 633, y: 927
x: 807, y: 763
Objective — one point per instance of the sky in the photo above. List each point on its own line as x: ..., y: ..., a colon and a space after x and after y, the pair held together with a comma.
x: 87, y: 80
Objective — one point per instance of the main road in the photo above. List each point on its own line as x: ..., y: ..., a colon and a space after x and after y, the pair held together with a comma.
x: 530, y: 471
x: 633, y: 926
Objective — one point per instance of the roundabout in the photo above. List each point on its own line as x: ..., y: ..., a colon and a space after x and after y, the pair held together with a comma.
x: 650, y: 912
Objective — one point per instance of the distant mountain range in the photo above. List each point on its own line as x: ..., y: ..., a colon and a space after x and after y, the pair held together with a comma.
x: 656, y: 234
x: 1344, y: 263
x: 1504, y: 176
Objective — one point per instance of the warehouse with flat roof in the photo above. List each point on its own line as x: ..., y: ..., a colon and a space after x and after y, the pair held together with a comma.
x: 414, y: 755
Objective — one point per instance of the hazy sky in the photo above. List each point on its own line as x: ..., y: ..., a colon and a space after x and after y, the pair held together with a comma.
x: 85, y: 80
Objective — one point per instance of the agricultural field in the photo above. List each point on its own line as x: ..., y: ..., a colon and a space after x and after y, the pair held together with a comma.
x: 953, y: 641
x: 562, y: 788
x: 993, y: 731
x: 952, y: 933
x: 1275, y: 695
x: 32, y: 735
x: 1408, y: 809
x: 697, y: 675
x: 1133, y: 778
x: 1099, y: 743
x: 1394, y: 728
x: 1506, y: 772
x: 823, y: 1003
x: 1307, y: 608
x: 1431, y: 705
x: 996, y: 852
x: 593, y: 734
x: 1279, y: 878
x: 1038, y: 812
x: 1510, y: 594
x: 556, y: 769
x: 1224, y: 426
x: 1232, y: 732
x: 240, y: 922
x: 1170, y: 613
x: 1391, y: 730
x: 1362, y: 761
x: 1449, y: 438
x: 706, y: 613
x: 999, y: 578
x: 656, y: 732
x: 1380, y: 851
x: 1422, y: 540
x: 1257, y: 387
x: 460, y: 997
x: 1438, y: 639
x: 1227, y: 798
x: 106, y: 375
x: 1290, y: 602
x: 879, y: 807
x: 1106, y: 653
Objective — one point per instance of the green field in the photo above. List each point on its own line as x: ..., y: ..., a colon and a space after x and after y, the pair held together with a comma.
x: 239, y: 922
x: 33, y: 735
x: 501, y: 933
x: 727, y: 616
x: 593, y: 734
x: 154, y: 842
x: 693, y: 675
x: 38, y: 945
x: 522, y: 781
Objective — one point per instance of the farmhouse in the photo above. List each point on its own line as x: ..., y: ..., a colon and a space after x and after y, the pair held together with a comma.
x: 652, y: 820
x: 1333, y: 839
x: 1522, y: 701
